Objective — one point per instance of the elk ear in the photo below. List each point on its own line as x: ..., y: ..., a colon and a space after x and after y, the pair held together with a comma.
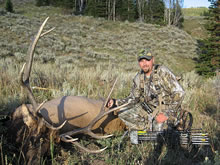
x: 28, y: 118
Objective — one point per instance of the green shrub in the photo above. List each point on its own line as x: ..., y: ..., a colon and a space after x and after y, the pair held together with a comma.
x: 9, y: 6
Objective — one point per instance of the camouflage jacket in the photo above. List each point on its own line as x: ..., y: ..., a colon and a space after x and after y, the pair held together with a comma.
x: 163, y: 83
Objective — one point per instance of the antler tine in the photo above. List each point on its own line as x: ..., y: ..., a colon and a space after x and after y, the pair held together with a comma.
x: 67, y: 138
x: 110, y: 93
x: 31, y: 50
x: 102, y: 111
x: 70, y: 139
x: 48, y: 125
x: 114, y: 109
x: 89, y: 132
x: 88, y: 150
x: 47, y: 32
x: 40, y: 106
x: 28, y: 90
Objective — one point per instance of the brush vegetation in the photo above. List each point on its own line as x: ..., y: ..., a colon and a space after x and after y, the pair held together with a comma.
x: 83, y: 56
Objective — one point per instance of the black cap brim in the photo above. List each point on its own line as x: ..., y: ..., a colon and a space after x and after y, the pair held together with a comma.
x: 145, y: 57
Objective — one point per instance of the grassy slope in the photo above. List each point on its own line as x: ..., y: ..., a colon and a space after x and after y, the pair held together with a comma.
x: 194, y: 22
x: 94, y: 40
x: 194, y: 11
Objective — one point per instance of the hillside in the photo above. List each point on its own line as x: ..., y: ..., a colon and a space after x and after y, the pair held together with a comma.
x: 198, y: 11
x: 90, y: 40
x: 194, y: 22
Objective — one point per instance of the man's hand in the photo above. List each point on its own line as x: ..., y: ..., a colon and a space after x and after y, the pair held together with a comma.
x: 161, y: 118
x: 110, y: 103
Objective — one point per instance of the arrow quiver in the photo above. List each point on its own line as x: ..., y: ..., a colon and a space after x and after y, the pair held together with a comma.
x: 182, y: 134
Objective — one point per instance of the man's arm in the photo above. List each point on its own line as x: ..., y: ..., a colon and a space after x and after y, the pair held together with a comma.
x: 132, y: 98
x: 174, y: 93
x: 134, y: 94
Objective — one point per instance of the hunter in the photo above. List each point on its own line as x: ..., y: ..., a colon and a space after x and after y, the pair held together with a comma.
x: 155, y: 98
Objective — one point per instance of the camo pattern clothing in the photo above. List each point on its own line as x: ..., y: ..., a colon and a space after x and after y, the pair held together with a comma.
x: 160, y: 88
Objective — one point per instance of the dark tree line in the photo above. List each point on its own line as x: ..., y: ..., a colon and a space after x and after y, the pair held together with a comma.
x: 163, y: 12
x: 209, y: 56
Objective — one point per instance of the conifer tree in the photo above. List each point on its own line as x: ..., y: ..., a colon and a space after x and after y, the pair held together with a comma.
x: 101, y: 8
x: 126, y: 10
x: 91, y: 8
x: 154, y: 12
x: 209, y: 57
x: 97, y: 8
x: 9, y: 6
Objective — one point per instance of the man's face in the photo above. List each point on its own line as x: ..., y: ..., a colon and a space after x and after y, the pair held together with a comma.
x: 146, y: 65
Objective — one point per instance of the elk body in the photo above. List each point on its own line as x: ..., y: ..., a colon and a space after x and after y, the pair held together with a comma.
x: 36, y: 125
x: 78, y: 112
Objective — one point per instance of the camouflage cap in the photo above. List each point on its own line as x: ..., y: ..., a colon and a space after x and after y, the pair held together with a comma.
x: 145, y: 54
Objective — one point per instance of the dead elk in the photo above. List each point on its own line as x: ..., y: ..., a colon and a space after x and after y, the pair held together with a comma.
x: 58, y: 119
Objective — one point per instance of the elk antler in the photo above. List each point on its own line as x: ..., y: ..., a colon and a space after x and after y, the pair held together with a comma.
x: 24, y: 76
x: 87, y: 130
x: 66, y: 137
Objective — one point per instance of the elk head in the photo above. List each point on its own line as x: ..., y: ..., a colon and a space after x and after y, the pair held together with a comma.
x: 37, y: 132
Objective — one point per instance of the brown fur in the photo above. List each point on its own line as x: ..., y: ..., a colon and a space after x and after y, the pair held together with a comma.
x: 79, y: 112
